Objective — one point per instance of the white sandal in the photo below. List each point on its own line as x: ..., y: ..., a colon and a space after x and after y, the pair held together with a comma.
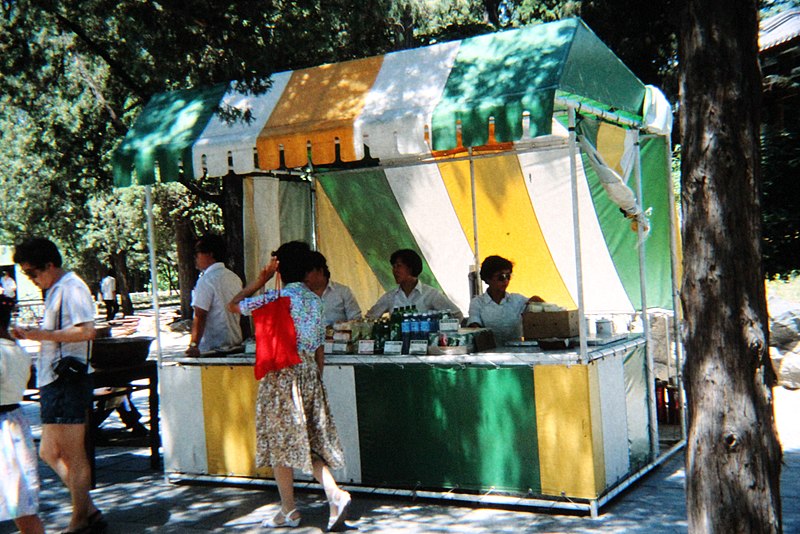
x: 342, y: 504
x: 287, y: 522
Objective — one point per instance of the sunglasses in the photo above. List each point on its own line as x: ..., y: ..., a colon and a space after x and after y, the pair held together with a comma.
x: 32, y: 273
x: 502, y: 277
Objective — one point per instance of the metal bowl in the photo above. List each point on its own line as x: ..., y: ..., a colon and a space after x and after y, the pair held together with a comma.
x: 120, y: 351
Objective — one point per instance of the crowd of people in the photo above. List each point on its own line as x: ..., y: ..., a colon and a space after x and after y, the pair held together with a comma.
x: 294, y: 426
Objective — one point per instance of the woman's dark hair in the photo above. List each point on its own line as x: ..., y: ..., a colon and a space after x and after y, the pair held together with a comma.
x: 494, y: 264
x: 295, y: 261
x: 212, y: 244
x: 38, y: 252
x: 409, y: 258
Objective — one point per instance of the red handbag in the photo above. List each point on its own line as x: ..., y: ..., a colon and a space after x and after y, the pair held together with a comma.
x: 276, y: 338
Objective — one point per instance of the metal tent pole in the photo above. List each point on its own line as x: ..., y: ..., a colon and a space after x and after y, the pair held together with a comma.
x: 477, y: 285
x: 576, y: 229
x: 650, y: 374
x: 151, y: 243
x: 676, y: 304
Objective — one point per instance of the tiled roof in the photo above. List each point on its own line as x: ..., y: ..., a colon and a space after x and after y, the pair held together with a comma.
x: 779, y: 29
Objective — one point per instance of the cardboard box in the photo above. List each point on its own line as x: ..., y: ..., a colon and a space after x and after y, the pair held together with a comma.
x: 539, y: 325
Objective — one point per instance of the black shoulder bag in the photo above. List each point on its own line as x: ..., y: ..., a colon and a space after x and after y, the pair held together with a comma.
x: 69, y: 368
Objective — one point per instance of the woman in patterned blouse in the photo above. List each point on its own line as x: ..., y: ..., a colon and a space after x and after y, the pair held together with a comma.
x: 294, y: 427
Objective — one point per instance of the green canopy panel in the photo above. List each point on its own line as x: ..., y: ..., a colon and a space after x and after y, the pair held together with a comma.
x: 401, y: 105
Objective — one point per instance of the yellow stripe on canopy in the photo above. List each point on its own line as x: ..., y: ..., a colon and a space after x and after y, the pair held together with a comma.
x: 318, y: 105
x: 611, y: 145
x: 345, y: 261
x: 507, y: 224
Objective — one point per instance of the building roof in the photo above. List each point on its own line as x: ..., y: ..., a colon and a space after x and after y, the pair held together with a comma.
x: 779, y: 29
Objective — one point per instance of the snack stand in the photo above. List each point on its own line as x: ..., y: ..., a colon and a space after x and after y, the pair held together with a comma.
x: 457, y: 150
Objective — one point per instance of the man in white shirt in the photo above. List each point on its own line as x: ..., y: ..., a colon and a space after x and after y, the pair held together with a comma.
x: 65, y: 400
x: 339, y: 303
x: 8, y: 288
x: 213, y: 327
x: 406, y: 268
x: 108, y: 287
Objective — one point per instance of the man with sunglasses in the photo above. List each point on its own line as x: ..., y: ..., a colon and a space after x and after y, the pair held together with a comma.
x: 67, y: 330
x: 497, y: 309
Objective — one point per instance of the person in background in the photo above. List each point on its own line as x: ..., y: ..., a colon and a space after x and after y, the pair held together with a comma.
x: 8, y: 288
x: 406, y: 268
x: 67, y: 331
x: 108, y: 287
x: 497, y: 309
x: 19, y: 475
x: 339, y: 303
x: 213, y: 326
x: 294, y: 426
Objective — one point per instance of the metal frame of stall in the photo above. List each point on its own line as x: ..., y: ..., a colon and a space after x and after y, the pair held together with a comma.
x: 573, y: 108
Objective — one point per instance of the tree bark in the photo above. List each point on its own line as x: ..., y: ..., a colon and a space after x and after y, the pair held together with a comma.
x: 232, y: 200
x: 185, y: 238
x: 733, y: 455
x: 233, y: 219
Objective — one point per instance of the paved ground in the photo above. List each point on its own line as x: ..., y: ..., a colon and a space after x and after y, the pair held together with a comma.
x: 136, y: 499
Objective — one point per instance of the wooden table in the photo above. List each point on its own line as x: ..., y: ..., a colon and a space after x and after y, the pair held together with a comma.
x: 130, y: 378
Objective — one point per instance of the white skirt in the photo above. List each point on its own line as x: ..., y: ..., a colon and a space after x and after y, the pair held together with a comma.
x: 19, y: 467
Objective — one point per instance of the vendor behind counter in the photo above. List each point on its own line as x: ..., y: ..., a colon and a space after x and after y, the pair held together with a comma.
x: 498, y: 309
x: 406, y: 268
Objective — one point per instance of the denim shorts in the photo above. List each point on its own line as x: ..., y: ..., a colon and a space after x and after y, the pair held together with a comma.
x: 66, y: 401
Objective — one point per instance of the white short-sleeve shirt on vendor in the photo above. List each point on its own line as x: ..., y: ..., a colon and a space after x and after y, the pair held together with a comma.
x: 504, y: 319
x: 339, y: 304
x: 423, y: 297
x: 214, y: 290
x: 68, y: 303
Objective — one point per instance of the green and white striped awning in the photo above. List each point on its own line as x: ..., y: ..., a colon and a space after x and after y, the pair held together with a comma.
x: 495, y: 89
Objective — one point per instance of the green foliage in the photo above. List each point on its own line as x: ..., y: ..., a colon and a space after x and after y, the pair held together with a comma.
x: 780, y: 168
x: 75, y: 75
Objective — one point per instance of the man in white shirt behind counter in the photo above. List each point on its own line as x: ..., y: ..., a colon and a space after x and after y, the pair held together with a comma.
x: 339, y: 304
x: 406, y: 268
x: 213, y: 327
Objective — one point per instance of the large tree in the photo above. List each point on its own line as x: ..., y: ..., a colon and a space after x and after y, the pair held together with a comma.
x: 733, y: 455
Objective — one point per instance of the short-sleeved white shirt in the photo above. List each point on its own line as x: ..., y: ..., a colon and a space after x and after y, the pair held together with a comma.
x: 15, y: 369
x: 423, y: 297
x: 70, y: 299
x: 339, y: 304
x: 108, y: 286
x: 215, y: 288
x: 9, y: 287
x: 504, y: 319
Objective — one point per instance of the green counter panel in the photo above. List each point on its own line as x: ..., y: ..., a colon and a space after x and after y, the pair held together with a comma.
x: 467, y: 428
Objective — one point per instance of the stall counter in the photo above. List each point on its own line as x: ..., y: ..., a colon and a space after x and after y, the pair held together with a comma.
x: 515, y: 421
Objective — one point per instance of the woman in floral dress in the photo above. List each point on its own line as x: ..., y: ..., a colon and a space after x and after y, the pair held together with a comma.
x: 294, y: 427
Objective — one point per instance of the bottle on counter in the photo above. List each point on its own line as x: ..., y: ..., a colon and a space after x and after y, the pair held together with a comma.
x: 405, y: 332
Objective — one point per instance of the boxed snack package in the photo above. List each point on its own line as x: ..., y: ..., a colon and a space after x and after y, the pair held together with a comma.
x: 545, y: 324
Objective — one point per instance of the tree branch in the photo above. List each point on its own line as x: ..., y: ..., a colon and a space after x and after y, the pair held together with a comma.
x: 201, y: 193
x: 117, y: 68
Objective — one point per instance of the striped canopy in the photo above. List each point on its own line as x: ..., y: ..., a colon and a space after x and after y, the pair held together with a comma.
x: 495, y: 88
x: 417, y: 111
x: 523, y: 212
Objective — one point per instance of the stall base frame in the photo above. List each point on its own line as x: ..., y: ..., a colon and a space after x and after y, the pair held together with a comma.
x: 589, y: 506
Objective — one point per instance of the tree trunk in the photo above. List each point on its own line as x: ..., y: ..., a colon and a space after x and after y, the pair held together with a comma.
x: 232, y: 200
x: 185, y: 238
x: 733, y: 455
x: 119, y: 260
x: 232, y: 216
